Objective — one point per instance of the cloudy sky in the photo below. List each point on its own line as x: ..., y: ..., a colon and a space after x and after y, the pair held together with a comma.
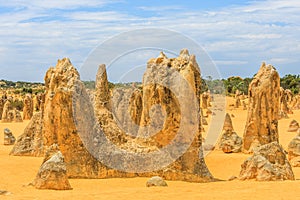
x: 237, y: 34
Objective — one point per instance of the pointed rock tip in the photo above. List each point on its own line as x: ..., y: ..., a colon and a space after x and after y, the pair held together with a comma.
x: 101, y: 70
x: 159, y: 59
x: 184, y: 53
x: 263, y: 65
x: 64, y: 61
x: 227, y: 115
x: 162, y: 55
x: 268, y: 67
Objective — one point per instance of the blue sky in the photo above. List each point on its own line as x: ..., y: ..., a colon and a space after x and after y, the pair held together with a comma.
x: 237, y: 34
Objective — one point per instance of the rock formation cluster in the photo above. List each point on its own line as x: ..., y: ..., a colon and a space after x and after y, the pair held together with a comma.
x: 8, y: 113
x: 143, y: 120
x: 143, y: 111
x: 151, y: 104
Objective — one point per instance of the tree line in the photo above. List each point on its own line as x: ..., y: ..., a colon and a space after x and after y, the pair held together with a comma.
x: 234, y: 83
x: 228, y: 86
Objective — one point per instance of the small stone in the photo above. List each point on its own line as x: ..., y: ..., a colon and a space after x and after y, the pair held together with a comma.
x: 226, y: 148
x: 4, y: 192
x: 295, y: 162
x: 294, y: 126
x: 232, y: 178
x: 208, y: 147
x: 156, y: 181
x: 9, y: 138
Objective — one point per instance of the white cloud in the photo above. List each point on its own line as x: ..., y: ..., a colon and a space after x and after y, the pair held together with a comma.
x: 260, y: 36
x: 263, y: 30
x: 271, y: 5
x: 56, y: 4
x: 161, y: 8
x: 230, y: 62
x: 106, y: 16
x: 277, y: 61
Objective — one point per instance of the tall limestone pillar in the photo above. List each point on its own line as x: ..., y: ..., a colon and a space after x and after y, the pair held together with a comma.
x: 262, y: 121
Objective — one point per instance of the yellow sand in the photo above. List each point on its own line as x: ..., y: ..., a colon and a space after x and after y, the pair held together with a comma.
x: 17, y: 172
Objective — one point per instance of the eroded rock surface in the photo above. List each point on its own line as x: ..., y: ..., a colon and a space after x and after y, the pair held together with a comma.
x: 227, y: 123
x: 68, y: 104
x: 39, y: 102
x: 2, y: 102
x: 53, y: 172
x: 30, y: 143
x: 205, y: 100
x: 295, y: 104
x: 17, y: 116
x: 237, y: 99
x: 285, y: 99
x: 28, y: 107
x: 230, y: 142
x: 244, y: 105
x: 7, y: 114
x: 268, y: 163
x: 154, y: 105
x: 294, y: 151
x: 262, y: 121
x: 58, y: 120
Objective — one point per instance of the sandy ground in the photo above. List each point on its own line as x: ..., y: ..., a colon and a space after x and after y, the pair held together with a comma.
x: 17, y: 172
